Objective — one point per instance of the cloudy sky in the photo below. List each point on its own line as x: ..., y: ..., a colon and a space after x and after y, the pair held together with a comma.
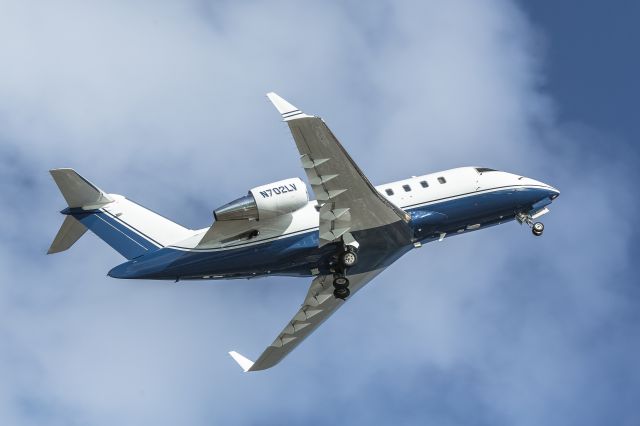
x: 164, y: 102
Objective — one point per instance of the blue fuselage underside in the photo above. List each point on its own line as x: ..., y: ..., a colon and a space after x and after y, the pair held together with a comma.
x: 298, y: 253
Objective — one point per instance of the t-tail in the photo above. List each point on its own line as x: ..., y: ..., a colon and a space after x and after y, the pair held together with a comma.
x: 129, y: 228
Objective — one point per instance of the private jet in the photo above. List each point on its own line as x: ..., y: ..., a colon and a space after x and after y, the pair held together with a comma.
x: 342, y: 240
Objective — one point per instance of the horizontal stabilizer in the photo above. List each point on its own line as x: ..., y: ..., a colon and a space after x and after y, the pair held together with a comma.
x: 244, y: 362
x: 79, y: 192
x: 70, y: 232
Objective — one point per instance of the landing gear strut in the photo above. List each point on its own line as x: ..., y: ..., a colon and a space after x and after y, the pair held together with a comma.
x: 537, y: 228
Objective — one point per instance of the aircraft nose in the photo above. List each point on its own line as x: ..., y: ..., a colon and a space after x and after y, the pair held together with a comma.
x: 554, y: 192
x: 547, y: 190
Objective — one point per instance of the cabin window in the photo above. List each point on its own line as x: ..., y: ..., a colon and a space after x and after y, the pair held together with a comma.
x: 424, y: 184
x: 389, y: 191
x: 442, y: 180
x: 406, y: 188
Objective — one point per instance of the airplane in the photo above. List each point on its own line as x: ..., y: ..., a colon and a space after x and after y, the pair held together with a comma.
x: 342, y: 240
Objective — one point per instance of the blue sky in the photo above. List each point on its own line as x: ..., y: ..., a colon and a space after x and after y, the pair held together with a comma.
x: 590, y: 64
x: 164, y: 102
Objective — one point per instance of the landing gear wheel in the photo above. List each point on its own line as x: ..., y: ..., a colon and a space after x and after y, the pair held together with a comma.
x: 341, y: 293
x: 348, y: 258
x: 537, y: 228
x: 340, y: 282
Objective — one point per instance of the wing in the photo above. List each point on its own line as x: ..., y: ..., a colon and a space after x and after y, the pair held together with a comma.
x: 318, y: 305
x: 348, y: 201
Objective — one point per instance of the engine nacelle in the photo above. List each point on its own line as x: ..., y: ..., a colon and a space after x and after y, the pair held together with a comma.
x: 266, y: 201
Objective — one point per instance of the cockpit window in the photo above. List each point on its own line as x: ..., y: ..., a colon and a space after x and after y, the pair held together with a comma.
x: 484, y: 169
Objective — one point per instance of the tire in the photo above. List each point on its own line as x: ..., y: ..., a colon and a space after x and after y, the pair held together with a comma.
x: 341, y: 293
x: 348, y: 258
x: 537, y: 228
x: 340, y: 282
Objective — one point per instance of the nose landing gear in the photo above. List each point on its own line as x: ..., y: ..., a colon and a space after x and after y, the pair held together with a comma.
x: 537, y: 228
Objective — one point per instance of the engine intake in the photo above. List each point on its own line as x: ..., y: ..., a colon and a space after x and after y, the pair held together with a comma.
x: 266, y: 201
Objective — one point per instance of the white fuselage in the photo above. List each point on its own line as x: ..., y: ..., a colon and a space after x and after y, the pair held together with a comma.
x: 407, y: 194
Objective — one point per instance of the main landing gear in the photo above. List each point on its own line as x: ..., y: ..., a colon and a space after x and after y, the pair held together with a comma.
x: 340, y: 287
x: 537, y: 228
x: 346, y: 259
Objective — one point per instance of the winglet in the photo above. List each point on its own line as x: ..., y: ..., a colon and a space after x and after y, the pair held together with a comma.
x: 243, y: 362
x: 288, y: 111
